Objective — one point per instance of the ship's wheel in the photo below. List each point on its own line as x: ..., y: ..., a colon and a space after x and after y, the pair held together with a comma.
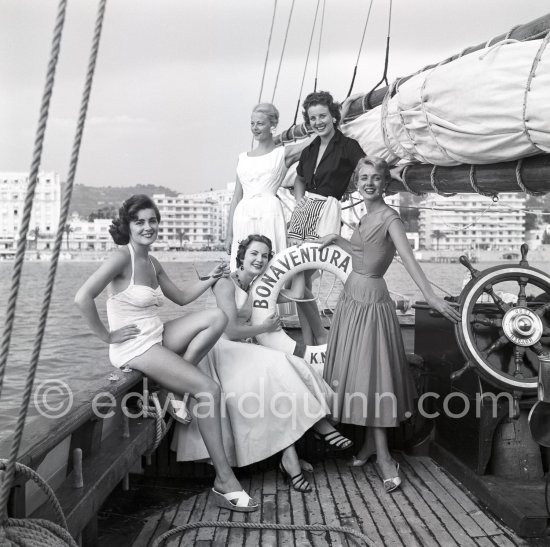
x: 505, y: 324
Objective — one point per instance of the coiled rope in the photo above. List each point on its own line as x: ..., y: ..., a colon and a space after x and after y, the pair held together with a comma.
x: 38, y: 532
x: 161, y: 540
x: 161, y: 427
x: 16, y: 527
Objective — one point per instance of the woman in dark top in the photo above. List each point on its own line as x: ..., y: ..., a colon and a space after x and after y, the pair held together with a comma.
x: 324, y: 171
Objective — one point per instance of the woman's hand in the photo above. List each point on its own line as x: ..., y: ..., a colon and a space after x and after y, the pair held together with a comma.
x: 272, y: 323
x: 445, y: 308
x: 301, y: 202
x: 124, y: 333
x: 221, y: 270
x: 327, y: 240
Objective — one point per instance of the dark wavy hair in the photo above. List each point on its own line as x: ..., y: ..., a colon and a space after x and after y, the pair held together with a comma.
x: 378, y: 163
x: 120, y: 227
x: 324, y: 98
x: 245, y: 243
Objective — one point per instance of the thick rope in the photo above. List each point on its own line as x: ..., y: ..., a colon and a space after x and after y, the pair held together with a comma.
x: 36, y: 533
x: 161, y: 540
x: 30, y: 474
x: 521, y: 184
x: 476, y: 188
x: 433, y: 183
x: 18, y: 432
x: 268, y: 48
x: 359, y: 52
x: 33, y: 180
x: 319, y: 47
x: 161, y: 427
x: 282, y: 51
x: 406, y: 184
x: 306, y: 63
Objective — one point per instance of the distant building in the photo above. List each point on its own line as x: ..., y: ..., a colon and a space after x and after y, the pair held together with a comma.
x: 470, y: 222
x: 84, y: 235
x: 45, y: 212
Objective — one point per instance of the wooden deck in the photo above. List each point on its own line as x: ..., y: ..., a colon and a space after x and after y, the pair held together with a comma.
x: 429, y: 510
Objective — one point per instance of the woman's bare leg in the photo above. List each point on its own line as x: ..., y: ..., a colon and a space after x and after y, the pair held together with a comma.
x: 368, y: 445
x: 194, y: 335
x: 177, y: 375
x: 384, y: 460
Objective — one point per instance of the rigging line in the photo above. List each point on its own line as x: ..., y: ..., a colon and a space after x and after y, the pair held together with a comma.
x: 283, y: 50
x: 268, y: 48
x: 31, y: 187
x: 65, y: 205
x: 359, y: 52
x: 319, y: 48
x: 307, y: 61
x: 386, y: 60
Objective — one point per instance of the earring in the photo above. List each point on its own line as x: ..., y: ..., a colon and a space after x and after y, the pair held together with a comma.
x: 333, y: 120
x: 272, y: 130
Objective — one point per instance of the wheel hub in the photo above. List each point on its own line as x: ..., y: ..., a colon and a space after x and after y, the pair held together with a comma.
x: 522, y: 327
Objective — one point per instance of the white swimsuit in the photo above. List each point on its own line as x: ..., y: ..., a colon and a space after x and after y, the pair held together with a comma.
x: 137, y: 304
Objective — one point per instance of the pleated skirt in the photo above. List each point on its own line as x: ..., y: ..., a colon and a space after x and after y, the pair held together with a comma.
x: 366, y: 364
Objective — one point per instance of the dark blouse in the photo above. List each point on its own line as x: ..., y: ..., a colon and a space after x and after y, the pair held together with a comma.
x: 335, y: 168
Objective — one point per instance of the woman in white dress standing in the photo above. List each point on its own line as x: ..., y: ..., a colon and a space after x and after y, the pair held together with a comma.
x: 255, y: 208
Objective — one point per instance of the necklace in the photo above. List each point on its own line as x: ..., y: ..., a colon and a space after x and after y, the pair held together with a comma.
x: 245, y: 289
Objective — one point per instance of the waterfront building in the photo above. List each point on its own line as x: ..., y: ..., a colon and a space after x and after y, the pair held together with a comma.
x: 471, y: 223
x: 189, y: 221
x: 45, y: 212
x: 84, y: 235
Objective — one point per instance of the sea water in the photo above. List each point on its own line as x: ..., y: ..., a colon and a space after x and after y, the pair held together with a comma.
x: 71, y: 354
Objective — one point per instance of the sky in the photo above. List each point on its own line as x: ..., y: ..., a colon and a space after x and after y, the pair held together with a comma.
x: 176, y: 79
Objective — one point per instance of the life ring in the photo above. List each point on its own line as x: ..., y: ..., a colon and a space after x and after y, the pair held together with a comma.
x: 266, y: 288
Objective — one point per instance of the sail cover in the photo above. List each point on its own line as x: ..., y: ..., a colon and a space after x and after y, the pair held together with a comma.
x: 490, y: 106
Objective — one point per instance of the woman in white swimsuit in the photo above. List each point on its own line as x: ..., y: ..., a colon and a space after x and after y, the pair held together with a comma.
x: 167, y: 353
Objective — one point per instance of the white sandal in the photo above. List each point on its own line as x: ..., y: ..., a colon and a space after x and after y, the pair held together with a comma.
x: 235, y: 501
x: 177, y: 408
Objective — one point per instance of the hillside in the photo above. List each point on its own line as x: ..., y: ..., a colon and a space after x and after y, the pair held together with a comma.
x: 88, y: 199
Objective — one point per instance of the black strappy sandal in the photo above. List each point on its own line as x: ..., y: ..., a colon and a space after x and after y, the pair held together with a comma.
x: 298, y: 482
x: 335, y: 440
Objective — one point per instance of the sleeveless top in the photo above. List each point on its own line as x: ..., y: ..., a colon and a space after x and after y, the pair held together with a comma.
x: 261, y: 175
x: 139, y: 305
x: 372, y: 249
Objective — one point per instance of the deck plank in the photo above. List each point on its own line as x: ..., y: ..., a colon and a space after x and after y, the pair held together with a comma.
x: 257, y: 482
x: 487, y: 525
x: 284, y: 513
x: 430, y: 510
x: 368, y: 476
x: 314, y: 502
x: 438, y: 501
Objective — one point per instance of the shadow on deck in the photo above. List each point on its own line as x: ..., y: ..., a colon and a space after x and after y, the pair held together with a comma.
x: 431, y: 509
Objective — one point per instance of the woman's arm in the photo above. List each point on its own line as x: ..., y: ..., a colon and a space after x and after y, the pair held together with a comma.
x: 399, y: 238
x: 90, y: 290
x: 237, y: 196
x: 335, y: 239
x: 294, y: 151
x: 299, y: 190
x: 224, y: 292
x: 192, y: 291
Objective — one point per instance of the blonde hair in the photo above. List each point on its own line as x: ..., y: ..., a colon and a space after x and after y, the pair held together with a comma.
x: 377, y: 163
x: 270, y: 110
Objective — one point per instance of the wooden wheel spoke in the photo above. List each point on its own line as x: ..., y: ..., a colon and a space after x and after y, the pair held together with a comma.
x: 497, y: 322
x: 544, y: 309
x: 503, y: 307
x: 522, y: 298
x: 498, y: 344
x: 519, y: 352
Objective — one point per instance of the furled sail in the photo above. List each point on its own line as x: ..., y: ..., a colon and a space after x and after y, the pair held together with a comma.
x: 486, y: 107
